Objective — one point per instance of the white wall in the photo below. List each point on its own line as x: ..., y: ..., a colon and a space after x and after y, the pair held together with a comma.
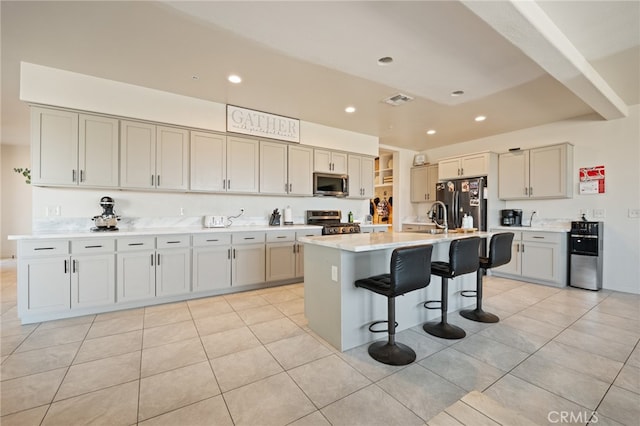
x: 15, y: 197
x: 614, y: 144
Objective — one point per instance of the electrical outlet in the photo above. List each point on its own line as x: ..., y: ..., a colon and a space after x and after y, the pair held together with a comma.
x: 598, y: 213
x: 634, y: 213
x: 181, y: 211
x: 57, y: 211
x: 334, y: 273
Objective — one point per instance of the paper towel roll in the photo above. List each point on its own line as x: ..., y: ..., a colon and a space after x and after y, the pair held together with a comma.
x: 288, y: 219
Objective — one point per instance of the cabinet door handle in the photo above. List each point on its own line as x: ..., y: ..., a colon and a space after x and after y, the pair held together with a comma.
x: 66, y: 266
x: 81, y: 175
x: 228, y: 183
x: 158, y: 180
x: 44, y: 248
x: 523, y: 247
x: 173, y: 242
x: 234, y: 253
x: 73, y: 175
x: 290, y: 187
x: 74, y: 266
x: 526, y: 191
x: 251, y: 238
x: 538, y: 237
x: 462, y: 171
x: 152, y: 259
x: 209, y: 241
x: 224, y: 184
x: 136, y: 244
x: 151, y: 180
x: 158, y: 258
x: 294, y: 248
x: 279, y: 236
x: 92, y: 246
x: 530, y: 190
x: 228, y: 253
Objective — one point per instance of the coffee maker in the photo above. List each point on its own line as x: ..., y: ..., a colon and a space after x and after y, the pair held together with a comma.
x: 108, y: 220
x: 511, y: 217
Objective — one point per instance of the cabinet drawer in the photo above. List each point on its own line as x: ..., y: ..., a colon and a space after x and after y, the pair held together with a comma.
x: 281, y: 236
x: 136, y: 243
x: 543, y: 237
x: 173, y: 241
x: 93, y: 246
x: 43, y: 248
x: 248, y: 237
x: 308, y: 233
x: 217, y: 239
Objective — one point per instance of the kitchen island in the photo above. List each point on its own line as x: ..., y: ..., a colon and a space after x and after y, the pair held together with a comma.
x: 340, y: 313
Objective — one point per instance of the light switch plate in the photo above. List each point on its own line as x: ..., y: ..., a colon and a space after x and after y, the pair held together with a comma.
x: 598, y: 213
x: 634, y: 213
x: 334, y: 273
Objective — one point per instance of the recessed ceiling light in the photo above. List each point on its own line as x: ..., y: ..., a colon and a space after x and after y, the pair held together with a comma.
x: 480, y: 118
x: 385, y: 60
x: 431, y: 132
x: 234, y: 79
x: 195, y: 77
x: 350, y: 109
x: 457, y: 93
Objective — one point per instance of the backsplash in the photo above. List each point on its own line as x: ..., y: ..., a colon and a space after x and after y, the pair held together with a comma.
x: 46, y: 224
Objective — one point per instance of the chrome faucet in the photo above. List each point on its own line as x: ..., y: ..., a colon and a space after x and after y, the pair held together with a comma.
x: 445, y: 225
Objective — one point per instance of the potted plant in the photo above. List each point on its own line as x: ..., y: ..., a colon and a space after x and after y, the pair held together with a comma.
x: 24, y: 172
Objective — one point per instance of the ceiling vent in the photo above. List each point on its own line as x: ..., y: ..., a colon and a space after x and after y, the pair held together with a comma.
x: 397, y: 99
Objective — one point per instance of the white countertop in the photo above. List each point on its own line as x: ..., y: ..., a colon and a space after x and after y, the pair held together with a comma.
x: 533, y: 228
x: 384, y: 240
x: 158, y: 231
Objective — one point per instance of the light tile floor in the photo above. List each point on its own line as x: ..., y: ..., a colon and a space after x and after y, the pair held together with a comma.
x: 556, y: 357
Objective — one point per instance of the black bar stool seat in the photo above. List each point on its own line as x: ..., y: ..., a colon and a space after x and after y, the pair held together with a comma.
x: 463, y: 259
x: 409, y: 271
x: 499, y: 254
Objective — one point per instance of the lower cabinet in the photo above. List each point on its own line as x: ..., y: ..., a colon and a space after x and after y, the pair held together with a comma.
x: 44, y: 285
x: 173, y: 265
x: 211, y: 262
x: 62, y: 278
x: 52, y: 280
x: 281, y: 255
x: 247, y: 258
x: 299, y: 250
x: 539, y: 257
x: 144, y: 272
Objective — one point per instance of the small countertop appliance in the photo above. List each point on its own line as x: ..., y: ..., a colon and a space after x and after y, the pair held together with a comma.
x: 511, y: 217
x: 108, y: 220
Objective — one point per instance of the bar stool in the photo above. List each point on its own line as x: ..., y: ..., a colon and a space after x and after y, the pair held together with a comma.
x: 463, y: 259
x: 409, y: 271
x: 499, y: 254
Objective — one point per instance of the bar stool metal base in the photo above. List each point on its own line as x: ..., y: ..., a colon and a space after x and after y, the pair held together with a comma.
x: 392, y: 354
x: 479, y: 315
x: 444, y: 330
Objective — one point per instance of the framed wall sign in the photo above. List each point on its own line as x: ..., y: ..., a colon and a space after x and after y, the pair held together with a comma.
x: 258, y: 123
x: 592, y: 180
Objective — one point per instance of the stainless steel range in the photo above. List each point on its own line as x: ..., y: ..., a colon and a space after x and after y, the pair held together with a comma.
x: 331, y: 222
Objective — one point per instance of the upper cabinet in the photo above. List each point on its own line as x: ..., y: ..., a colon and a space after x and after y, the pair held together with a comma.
x: 329, y: 161
x: 361, y: 176
x: 544, y: 172
x: 243, y: 162
x: 285, y: 169
x: 466, y: 166
x: 73, y: 149
x: 208, y: 162
x: 154, y: 156
x: 300, y: 168
x: 423, y: 183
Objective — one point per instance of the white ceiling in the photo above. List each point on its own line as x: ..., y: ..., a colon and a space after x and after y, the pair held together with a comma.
x: 519, y: 63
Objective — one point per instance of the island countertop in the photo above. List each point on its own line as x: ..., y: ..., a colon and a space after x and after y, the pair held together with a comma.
x: 386, y: 240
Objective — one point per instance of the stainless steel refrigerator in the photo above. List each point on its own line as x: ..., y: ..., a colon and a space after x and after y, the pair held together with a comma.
x: 463, y: 196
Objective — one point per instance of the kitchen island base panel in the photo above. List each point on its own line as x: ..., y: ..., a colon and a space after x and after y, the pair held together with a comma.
x: 341, y: 313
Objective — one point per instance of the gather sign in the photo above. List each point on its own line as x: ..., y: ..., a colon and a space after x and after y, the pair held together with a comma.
x: 258, y: 123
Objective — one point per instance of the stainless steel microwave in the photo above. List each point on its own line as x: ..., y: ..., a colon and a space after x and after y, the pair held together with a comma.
x: 335, y: 185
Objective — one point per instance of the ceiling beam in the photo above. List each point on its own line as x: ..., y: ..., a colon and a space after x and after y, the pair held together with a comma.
x: 530, y: 29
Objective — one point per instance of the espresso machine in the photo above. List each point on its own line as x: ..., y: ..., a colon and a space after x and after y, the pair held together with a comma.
x: 108, y: 220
